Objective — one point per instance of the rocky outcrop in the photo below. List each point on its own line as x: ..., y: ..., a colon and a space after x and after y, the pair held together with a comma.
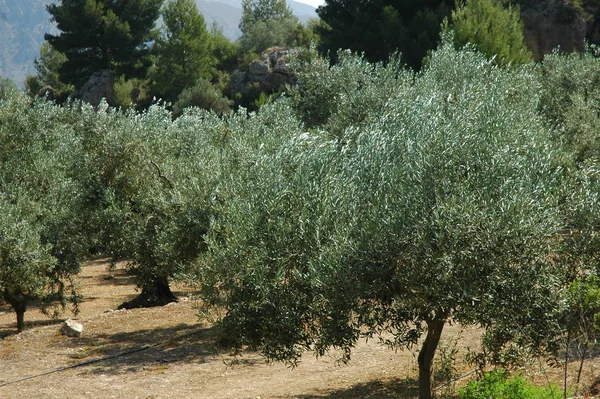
x: 267, y: 74
x: 550, y: 24
x: 100, y: 85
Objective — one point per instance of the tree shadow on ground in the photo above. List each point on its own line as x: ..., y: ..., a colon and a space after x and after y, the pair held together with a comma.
x: 116, y: 277
x: 10, y: 329
x: 143, y: 349
x: 377, y: 389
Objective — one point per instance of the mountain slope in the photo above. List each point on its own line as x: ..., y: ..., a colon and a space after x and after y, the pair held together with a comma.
x: 227, y: 14
x: 22, y: 27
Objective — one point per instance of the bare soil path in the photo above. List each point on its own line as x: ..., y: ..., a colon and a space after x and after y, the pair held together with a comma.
x: 180, y: 362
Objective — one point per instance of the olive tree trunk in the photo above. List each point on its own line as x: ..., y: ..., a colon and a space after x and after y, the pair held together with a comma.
x: 426, y: 355
x: 19, y: 304
x: 156, y: 294
x: 20, y: 311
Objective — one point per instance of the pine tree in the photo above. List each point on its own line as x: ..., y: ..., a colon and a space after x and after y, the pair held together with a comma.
x: 379, y: 28
x: 99, y: 34
x: 184, y: 51
x: 495, y: 30
x: 48, y: 65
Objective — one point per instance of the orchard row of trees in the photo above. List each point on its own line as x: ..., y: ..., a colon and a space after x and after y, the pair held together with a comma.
x: 185, y: 63
x: 369, y: 199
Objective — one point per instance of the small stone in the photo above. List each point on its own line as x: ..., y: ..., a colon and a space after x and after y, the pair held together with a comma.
x: 71, y: 328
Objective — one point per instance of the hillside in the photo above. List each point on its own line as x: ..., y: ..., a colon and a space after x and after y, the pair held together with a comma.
x: 23, y: 24
x: 22, y: 27
x: 227, y: 14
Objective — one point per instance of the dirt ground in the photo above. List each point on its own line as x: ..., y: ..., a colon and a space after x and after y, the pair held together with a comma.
x: 172, y: 356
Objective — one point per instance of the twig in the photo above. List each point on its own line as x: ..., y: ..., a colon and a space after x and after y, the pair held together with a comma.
x: 160, y: 174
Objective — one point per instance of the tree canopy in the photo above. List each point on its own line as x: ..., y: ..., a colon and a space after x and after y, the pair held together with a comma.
x: 495, y: 30
x: 98, y: 34
x: 263, y: 10
x: 47, y: 66
x: 382, y: 27
x: 268, y: 23
x: 184, y: 50
x: 440, y: 208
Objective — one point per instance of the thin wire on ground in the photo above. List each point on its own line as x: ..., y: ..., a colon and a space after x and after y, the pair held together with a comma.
x: 87, y: 362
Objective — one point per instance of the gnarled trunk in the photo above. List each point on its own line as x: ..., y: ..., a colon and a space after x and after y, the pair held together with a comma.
x: 157, y: 294
x: 20, y: 311
x: 19, y: 304
x: 434, y: 333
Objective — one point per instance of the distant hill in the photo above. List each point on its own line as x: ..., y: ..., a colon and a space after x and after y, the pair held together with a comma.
x: 22, y: 27
x: 227, y: 14
x: 23, y: 24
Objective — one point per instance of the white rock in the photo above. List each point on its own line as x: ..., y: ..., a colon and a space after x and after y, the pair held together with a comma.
x: 71, y: 328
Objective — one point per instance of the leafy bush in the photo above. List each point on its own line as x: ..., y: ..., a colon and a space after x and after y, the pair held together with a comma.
x: 495, y: 30
x: 497, y: 385
x: 203, y: 95
x: 131, y: 93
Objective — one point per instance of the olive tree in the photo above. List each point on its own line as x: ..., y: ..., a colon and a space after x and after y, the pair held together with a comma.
x: 569, y: 102
x: 571, y: 99
x: 40, y: 244
x: 26, y: 264
x: 344, y: 94
x: 439, y: 210
x: 147, y: 184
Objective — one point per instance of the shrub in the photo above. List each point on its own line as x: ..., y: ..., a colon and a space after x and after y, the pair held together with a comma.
x: 131, y: 93
x: 495, y: 30
x: 497, y: 385
x: 203, y: 95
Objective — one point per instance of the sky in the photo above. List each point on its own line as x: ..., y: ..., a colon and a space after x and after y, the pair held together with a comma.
x: 314, y: 3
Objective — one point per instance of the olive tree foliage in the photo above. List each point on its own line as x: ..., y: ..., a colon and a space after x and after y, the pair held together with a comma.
x: 576, y: 255
x: 439, y: 209
x: 147, y: 182
x: 349, y: 93
x: 203, y: 95
x: 40, y: 241
x: 571, y: 100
